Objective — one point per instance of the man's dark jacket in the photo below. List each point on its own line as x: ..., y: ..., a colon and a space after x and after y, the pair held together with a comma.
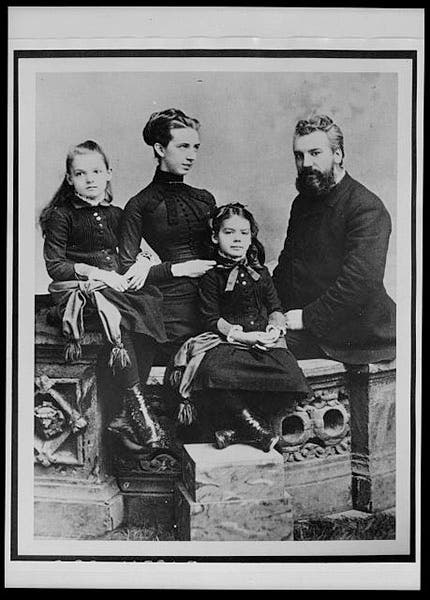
x: 332, y: 266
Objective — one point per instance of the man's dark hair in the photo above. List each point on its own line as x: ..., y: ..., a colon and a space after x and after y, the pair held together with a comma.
x: 327, y: 125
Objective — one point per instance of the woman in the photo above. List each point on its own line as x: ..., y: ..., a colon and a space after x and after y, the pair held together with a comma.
x: 172, y: 217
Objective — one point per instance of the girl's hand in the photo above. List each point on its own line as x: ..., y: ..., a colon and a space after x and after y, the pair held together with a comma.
x: 273, y: 333
x: 112, y: 279
x: 250, y: 338
x: 192, y: 268
x: 137, y: 274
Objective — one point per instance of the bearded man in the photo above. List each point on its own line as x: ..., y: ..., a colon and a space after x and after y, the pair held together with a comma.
x: 330, y: 273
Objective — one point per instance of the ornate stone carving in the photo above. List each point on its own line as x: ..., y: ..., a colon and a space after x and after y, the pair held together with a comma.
x: 56, y: 420
x: 162, y: 462
x: 49, y: 420
x: 313, y: 450
x: 315, y: 429
x: 46, y: 385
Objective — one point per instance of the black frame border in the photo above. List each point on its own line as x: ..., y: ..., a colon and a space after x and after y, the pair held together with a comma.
x: 19, y: 55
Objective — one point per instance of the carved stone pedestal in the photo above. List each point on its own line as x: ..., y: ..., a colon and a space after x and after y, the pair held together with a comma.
x: 75, y: 495
x: 147, y: 485
x: 372, y: 391
x: 316, y: 444
x: 235, y: 494
x: 76, y: 510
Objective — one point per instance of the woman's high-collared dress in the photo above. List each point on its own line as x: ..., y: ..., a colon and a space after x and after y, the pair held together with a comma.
x: 172, y: 217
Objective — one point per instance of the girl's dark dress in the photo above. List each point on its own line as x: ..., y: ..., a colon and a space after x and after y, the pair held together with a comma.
x: 228, y: 366
x: 89, y: 235
x: 172, y: 218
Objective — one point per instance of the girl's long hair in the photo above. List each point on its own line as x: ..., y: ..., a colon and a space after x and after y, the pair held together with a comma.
x: 256, y: 254
x: 66, y: 191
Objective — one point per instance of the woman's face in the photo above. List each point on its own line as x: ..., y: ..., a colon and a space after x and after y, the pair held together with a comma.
x: 180, y: 153
x: 234, y: 237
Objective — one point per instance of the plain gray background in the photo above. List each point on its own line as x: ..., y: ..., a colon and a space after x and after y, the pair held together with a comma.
x: 247, y: 123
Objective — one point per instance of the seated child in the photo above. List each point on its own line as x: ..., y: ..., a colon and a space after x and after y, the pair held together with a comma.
x: 243, y: 353
x: 81, y: 228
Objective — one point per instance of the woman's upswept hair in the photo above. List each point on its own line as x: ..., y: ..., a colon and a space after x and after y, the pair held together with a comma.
x: 256, y: 253
x: 66, y: 191
x: 160, y: 125
x: 327, y: 125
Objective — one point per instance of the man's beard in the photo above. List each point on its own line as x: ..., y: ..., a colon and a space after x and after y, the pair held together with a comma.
x: 314, y: 183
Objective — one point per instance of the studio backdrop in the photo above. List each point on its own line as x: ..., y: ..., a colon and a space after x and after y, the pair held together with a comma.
x: 247, y: 124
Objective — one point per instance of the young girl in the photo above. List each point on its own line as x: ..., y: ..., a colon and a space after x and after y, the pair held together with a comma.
x: 81, y: 229
x: 243, y: 356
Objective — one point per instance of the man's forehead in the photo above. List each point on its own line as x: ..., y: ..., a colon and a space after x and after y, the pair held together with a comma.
x: 316, y: 139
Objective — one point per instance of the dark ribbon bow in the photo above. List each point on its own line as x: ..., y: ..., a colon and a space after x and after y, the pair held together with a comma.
x: 235, y: 267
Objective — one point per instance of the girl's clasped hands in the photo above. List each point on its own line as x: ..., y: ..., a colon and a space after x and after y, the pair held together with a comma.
x: 262, y: 340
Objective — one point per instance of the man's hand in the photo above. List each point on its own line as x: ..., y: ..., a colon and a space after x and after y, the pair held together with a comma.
x: 294, y: 319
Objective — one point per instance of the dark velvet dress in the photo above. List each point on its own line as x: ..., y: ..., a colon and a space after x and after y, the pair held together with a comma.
x: 172, y: 217
x: 249, y: 304
x: 89, y: 235
x: 332, y: 267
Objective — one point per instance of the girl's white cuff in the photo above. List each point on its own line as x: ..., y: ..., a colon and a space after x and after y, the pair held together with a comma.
x: 230, y: 339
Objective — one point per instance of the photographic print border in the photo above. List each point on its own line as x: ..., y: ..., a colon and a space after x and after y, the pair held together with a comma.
x: 22, y: 55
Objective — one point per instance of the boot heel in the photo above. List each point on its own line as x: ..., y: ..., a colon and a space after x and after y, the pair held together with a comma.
x: 268, y: 444
x: 224, y: 438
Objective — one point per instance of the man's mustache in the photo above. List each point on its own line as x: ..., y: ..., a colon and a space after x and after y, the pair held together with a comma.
x: 309, y: 171
x: 309, y: 180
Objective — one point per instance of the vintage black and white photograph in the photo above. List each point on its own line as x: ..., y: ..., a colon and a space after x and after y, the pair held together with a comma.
x: 213, y: 282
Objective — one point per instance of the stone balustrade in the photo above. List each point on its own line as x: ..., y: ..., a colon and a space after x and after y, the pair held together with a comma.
x: 338, y: 448
x: 76, y: 495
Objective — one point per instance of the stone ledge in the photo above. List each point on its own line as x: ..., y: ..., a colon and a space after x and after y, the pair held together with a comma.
x: 357, y: 514
x: 318, y: 367
x: 238, y: 472
x: 49, y: 335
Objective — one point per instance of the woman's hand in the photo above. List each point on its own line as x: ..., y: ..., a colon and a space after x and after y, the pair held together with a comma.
x: 112, y: 279
x: 192, y: 268
x: 137, y: 274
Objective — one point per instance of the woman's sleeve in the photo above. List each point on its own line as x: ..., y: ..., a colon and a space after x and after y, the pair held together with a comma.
x: 209, y: 294
x: 130, y: 234
x: 54, y: 249
x: 130, y: 241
